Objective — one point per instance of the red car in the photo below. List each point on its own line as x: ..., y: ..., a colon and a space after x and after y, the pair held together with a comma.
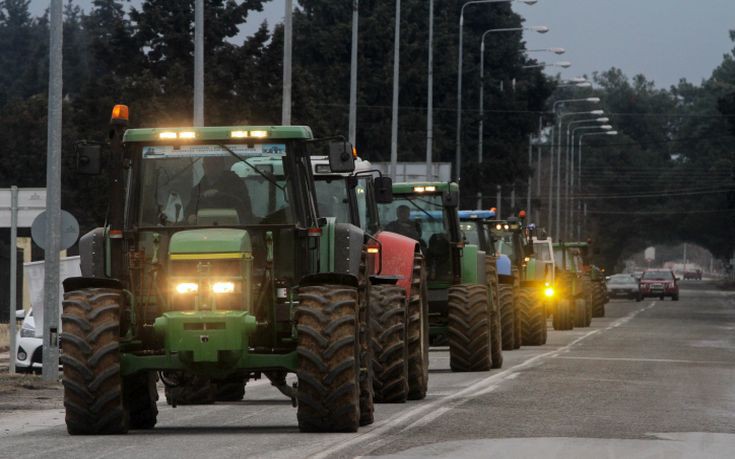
x: 659, y: 283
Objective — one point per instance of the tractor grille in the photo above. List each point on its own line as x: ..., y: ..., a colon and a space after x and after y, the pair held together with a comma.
x: 211, y: 268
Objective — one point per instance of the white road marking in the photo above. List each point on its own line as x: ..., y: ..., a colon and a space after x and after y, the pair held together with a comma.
x: 632, y: 359
x: 484, y: 385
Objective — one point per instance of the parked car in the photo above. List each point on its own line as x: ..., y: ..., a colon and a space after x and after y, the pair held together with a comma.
x: 622, y: 286
x: 28, y: 348
x: 659, y: 283
x: 693, y: 275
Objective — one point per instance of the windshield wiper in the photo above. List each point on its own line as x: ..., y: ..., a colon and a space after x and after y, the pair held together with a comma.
x: 261, y: 173
x: 431, y: 217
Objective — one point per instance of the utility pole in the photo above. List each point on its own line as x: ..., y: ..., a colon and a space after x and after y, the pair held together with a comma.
x: 53, y: 200
x: 528, y: 191
x: 430, y: 97
x: 13, y: 273
x: 199, y: 63
x: 396, y: 68
x: 353, y: 75
x: 499, y: 202
x: 287, y: 51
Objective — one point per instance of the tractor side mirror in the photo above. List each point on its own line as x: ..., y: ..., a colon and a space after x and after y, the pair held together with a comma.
x: 89, y: 159
x: 340, y: 157
x: 20, y: 314
x: 383, y: 190
x: 450, y: 198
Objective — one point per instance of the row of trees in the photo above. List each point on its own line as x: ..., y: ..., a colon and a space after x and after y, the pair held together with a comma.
x: 675, y: 140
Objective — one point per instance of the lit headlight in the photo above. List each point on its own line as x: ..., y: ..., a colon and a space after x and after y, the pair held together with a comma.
x: 549, y: 292
x: 27, y: 332
x: 187, y: 287
x: 223, y: 287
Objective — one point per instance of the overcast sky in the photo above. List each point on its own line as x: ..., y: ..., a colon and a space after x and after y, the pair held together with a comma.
x: 663, y: 39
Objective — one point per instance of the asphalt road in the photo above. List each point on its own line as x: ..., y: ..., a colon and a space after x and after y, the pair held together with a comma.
x: 652, y: 379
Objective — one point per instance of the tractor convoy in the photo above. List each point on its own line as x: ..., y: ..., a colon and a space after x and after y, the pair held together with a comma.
x: 232, y: 254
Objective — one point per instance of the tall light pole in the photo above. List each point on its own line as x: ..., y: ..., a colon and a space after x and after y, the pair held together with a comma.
x: 396, y: 65
x: 352, y: 129
x: 430, y: 96
x: 579, y: 149
x: 560, y: 117
x: 539, y: 29
x: 553, y: 151
x: 287, y: 52
x: 199, y: 63
x: 572, y: 128
x: 53, y: 200
x: 458, y: 147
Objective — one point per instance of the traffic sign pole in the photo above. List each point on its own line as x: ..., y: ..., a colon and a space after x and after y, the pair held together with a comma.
x: 13, y: 272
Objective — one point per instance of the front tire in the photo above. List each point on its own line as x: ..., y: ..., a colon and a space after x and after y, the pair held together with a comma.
x: 469, y: 328
x: 389, y: 353
x: 533, y: 319
x: 496, y: 339
x: 417, y: 332
x: 140, y: 400
x: 328, y: 368
x: 505, y: 296
x: 562, y: 318
x: 93, y: 384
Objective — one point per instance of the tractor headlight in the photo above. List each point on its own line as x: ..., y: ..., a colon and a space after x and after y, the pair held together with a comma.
x: 549, y: 292
x: 223, y: 287
x: 185, y: 288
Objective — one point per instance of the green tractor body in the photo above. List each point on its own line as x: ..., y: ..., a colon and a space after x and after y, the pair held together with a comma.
x: 462, y: 304
x: 214, y: 268
x: 573, y: 286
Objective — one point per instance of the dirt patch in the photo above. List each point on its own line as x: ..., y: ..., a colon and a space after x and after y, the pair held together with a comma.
x: 28, y: 392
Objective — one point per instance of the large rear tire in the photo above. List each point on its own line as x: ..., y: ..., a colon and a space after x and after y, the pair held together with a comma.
x: 417, y: 332
x: 328, y: 368
x: 580, y: 313
x: 562, y: 316
x: 496, y: 338
x: 93, y: 384
x: 389, y: 352
x: 533, y: 318
x: 507, y: 314
x: 469, y: 328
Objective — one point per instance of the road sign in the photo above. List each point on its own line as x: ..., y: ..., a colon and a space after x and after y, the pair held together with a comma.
x: 31, y: 202
x: 69, y: 230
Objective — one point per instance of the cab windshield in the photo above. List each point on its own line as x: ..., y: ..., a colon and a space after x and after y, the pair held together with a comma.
x: 333, y: 199
x: 470, y: 233
x: 207, y: 185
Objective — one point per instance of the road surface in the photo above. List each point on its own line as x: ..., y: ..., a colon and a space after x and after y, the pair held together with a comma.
x: 652, y: 379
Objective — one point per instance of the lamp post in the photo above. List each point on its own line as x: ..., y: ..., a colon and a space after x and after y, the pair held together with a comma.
x: 539, y: 29
x: 562, y: 64
x: 352, y: 126
x: 557, y: 51
x: 579, y: 202
x: 553, y: 151
x: 557, y: 228
x: 396, y: 68
x: 569, y: 171
x: 458, y: 146
x: 287, y: 54
x: 199, y: 63
x: 569, y: 182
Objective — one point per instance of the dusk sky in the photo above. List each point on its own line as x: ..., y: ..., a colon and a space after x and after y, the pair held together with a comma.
x: 664, y: 39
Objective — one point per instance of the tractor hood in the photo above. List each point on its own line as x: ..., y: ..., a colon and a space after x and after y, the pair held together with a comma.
x: 210, y: 241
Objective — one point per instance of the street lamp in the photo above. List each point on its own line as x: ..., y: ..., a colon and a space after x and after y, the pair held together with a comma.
x: 539, y: 29
x: 579, y: 149
x: 557, y: 151
x: 458, y: 148
x: 557, y: 51
x: 562, y: 64
x: 584, y: 84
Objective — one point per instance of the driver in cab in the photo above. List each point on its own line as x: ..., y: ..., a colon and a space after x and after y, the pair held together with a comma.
x: 219, y: 188
x: 404, y: 225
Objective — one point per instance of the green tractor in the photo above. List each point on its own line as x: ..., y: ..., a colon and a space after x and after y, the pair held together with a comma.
x: 462, y: 305
x: 574, y: 302
x: 511, y: 238
x: 398, y: 298
x: 213, y: 269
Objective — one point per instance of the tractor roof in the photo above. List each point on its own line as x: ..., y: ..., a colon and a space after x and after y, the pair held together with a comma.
x: 411, y: 187
x: 476, y: 215
x: 220, y: 133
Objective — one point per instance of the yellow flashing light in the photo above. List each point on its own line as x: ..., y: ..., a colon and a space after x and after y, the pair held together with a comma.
x: 549, y: 292
x: 120, y: 112
x: 373, y: 250
x: 187, y: 287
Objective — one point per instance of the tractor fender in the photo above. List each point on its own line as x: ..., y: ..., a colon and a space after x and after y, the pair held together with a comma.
x: 78, y: 283
x: 473, y: 265
x: 504, y: 266
x: 398, y: 257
